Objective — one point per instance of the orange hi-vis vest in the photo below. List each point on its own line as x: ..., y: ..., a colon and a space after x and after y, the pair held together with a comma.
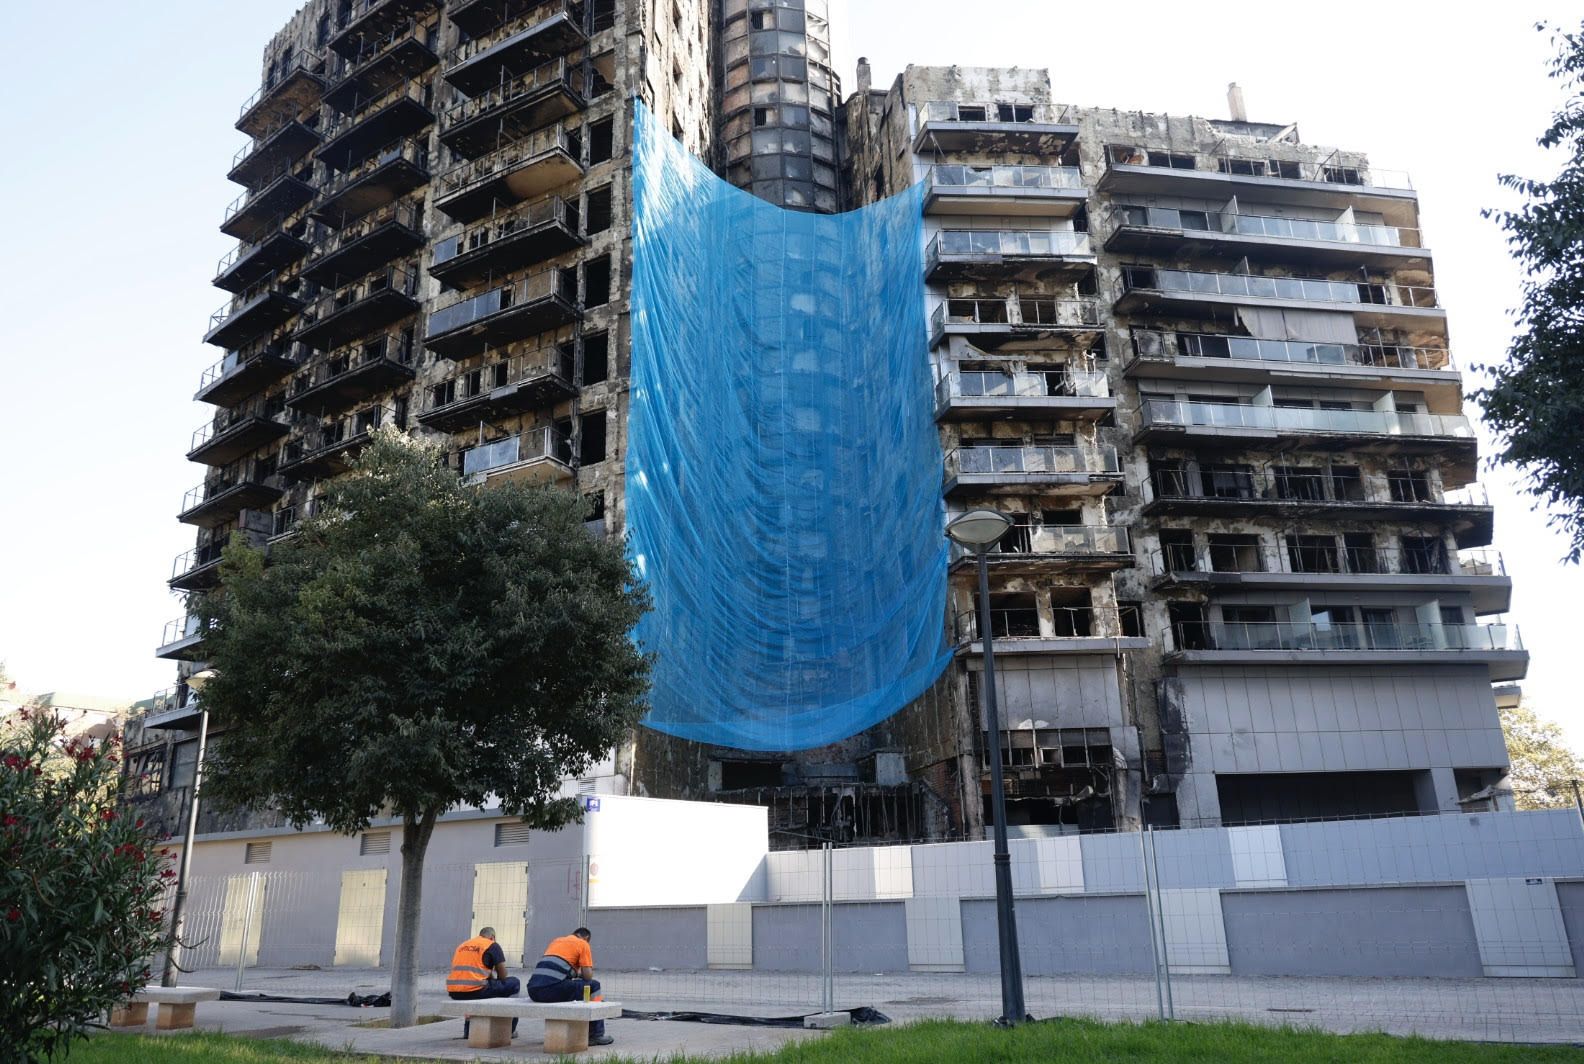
x: 467, y: 967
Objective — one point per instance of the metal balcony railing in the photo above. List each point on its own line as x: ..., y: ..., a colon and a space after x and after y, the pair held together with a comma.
x: 396, y: 348
x: 1239, y: 165
x: 340, y: 67
x: 362, y: 107
x: 1008, y: 243
x: 956, y: 175
x: 271, y: 284
x: 227, y: 419
x: 1069, y: 381
x: 1058, y: 540
x: 547, y: 211
x: 545, y: 75
x: 519, y: 17
x: 328, y: 240
x: 523, y: 447
x: 391, y: 279
x: 1313, y: 636
x: 1312, y: 557
x: 1159, y: 413
x: 179, y: 629
x: 1015, y: 312
x: 1020, y: 458
x: 1165, y: 346
x: 1260, y: 225
x: 236, y: 360
x: 986, y: 111
x: 415, y: 151
x: 1275, y: 484
x: 286, y: 171
x: 545, y: 284
x: 483, y: 168
x: 1062, y: 622
x: 467, y: 386
x: 1311, y: 289
x: 302, y: 62
x: 200, y: 556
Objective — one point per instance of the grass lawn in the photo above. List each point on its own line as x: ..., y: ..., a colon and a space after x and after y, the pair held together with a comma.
x: 1067, y: 1041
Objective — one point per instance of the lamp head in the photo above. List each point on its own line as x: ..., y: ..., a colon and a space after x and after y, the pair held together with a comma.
x: 978, y: 529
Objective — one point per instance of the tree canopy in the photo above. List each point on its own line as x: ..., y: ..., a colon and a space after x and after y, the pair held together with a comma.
x: 1543, y: 765
x: 420, y: 644
x: 1535, y: 400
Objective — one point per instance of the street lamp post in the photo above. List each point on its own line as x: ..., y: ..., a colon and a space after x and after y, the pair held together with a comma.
x: 978, y: 531
x: 168, y: 976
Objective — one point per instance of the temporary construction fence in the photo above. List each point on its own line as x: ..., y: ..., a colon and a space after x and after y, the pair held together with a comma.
x: 1458, y: 925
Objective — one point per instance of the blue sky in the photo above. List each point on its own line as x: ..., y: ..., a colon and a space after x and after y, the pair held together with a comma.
x: 119, y: 133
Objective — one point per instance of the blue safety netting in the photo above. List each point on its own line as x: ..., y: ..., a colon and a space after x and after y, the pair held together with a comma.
x: 783, y: 467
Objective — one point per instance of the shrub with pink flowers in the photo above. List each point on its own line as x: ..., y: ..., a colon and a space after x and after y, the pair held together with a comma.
x: 81, y: 884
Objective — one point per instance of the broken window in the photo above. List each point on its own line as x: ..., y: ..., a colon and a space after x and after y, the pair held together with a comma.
x: 1409, y: 485
x: 1130, y: 615
x: 1177, y: 550
x: 1313, y: 554
x: 599, y: 211
x: 1188, y: 627
x: 601, y: 141
x: 1013, y: 616
x: 1300, y: 482
x: 1071, y: 612
x: 1171, y: 160
x: 596, y: 357
x: 1347, y: 484
x: 1361, y: 556
x: 971, y: 113
x: 1014, y: 112
x: 746, y: 775
x: 1235, y: 553
x: 1424, y: 555
x: 592, y: 446
x: 1227, y: 481
x: 596, y: 282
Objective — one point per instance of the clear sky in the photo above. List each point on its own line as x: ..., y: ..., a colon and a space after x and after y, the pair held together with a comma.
x: 119, y: 133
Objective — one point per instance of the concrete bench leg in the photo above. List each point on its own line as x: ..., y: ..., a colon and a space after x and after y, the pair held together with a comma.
x: 489, y: 1032
x: 132, y: 1014
x: 566, y: 1036
x: 173, y: 1017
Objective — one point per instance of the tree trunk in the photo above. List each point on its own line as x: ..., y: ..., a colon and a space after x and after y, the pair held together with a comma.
x: 416, y: 830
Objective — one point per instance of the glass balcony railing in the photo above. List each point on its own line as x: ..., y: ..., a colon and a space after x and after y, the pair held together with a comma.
x: 556, y: 72
x: 513, y: 450
x: 518, y: 16
x: 1160, y: 413
x: 1312, y: 636
x: 1006, y: 176
x: 1009, y: 243
x: 1244, y: 483
x: 1320, y: 554
x: 1302, y: 352
x: 983, y: 111
x: 1058, y: 540
x: 1022, y: 459
x: 1260, y: 225
x: 1237, y: 165
x: 1017, y: 312
x: 1311, y: 289
x: 546, y: 284
x: 1070, y: 381
x: 552, y: 210
x: 181, y: 628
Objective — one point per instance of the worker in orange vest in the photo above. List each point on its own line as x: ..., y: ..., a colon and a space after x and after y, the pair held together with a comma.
x: 563, y: 973
x: 478, y: 970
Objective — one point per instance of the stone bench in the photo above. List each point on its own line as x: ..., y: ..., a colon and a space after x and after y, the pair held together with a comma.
x: 566, y: 1023
x: 177, y: 1004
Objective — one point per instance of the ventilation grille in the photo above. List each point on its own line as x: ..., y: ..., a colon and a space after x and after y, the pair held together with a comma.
x: 257, y: 853
x: 373, y: 843
x: 513, y: 834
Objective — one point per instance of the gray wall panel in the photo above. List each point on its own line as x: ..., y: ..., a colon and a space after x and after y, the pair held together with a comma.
x: 1571, y: 897
x: 1098, y: 936
x: 870, y: 937
x: 637, y: 939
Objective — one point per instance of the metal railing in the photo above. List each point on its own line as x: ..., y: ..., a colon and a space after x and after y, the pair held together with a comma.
x: 1165, y: 346
x: 957, y: 175
x: 252, y: 147
x: 1211, y: 162
x: 1275, y: 484
x: 413, y: 150
x: 1058, y: 540
x: 527, y: 446
x: 469, y: 385
x: 243, y: 248
x: 523, y: 19
x: 200, y: 556
x: 1009, y: 243
x: 552, y: 72
x: 362, y: 107
x: 210, y: 489
x: 1157, y: 413
x: 302, y: 61
x: 557, y: 282
x: 546, y: 211
x: 1062, y: 622
x: 340, y: 68
x: 228, y: 419
x: 1313, y: 557
x: 1068, y: 381
x: 1016, y: 312
x: 329, y: 240
x: 179, y: 629
x: 540, y: 142
x: 270, y: 284
x: 393, y: 347
x: 1262, y: 225
x: 1312, y: 289
x: 1319, y: 636
x: 984, y: 111
x: 236, y: 360
x: 1022, y: 458
x: 390, y: 279
x: 286, y: 171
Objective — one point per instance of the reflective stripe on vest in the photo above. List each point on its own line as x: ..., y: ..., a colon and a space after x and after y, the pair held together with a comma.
x: 552, y: 967
x: 467, y: 971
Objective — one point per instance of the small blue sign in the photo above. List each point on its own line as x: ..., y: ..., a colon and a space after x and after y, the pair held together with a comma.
x: 591, y: 804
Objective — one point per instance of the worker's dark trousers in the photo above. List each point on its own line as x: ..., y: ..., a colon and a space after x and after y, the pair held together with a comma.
x: 569, y: 990
x: 494, y: 988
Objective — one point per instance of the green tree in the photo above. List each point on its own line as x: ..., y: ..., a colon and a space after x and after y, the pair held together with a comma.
x: 1543, y: 765
x: 80, y: 888
x: 417, y: 645
x: 1535, y: 400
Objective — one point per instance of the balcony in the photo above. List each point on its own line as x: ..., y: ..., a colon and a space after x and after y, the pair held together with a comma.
x: 522, y: 171
x: 217, y: 502
x: 253, y: 311
x: 1325, y: 245
x: 199, y: 568
x: 354, y: 311
x: 498, y: 245
x: 1064, y: 630
x: 550, y: 30
x: 1319, y: 563
x: 1241, y: 425
x: 372, y: 123
x: 289, y: 95
x: 992, y: 128
x: 1239, y: 491
x: 182, y: 640
x: 378, y: 181
x: 247, y: 264
x: 1018, y: 468
x: 540, y: 456
x: 373, y: 20
x: 242, y: 373
x: 374, y: 240
x: 1219, y: 178
x: 254, y: 214
x: 1376, y: 304
x: 1005, y: 254
x: 346, y: 378
x: 1392, y: 643
x: 538, y: 303
x: 510, y: 111
x: 380, y: 65
x: 533, y: 381
x: 997, y: 321
x: 479, y: 18
x: 1068, y: 548
x: 1022, y: 191
x: 1068, y: 394
x: 326, y: 450
x: 234, y: 433
x: 1245, y: 359
x: 256, y: 162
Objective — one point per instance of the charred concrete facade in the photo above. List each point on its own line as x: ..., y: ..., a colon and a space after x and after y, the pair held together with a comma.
x: 1200, y: 362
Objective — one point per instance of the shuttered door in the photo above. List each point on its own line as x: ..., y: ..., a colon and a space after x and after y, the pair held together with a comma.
x: 235, y: 920
x: 500, y: 900
x: 360, y: 920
